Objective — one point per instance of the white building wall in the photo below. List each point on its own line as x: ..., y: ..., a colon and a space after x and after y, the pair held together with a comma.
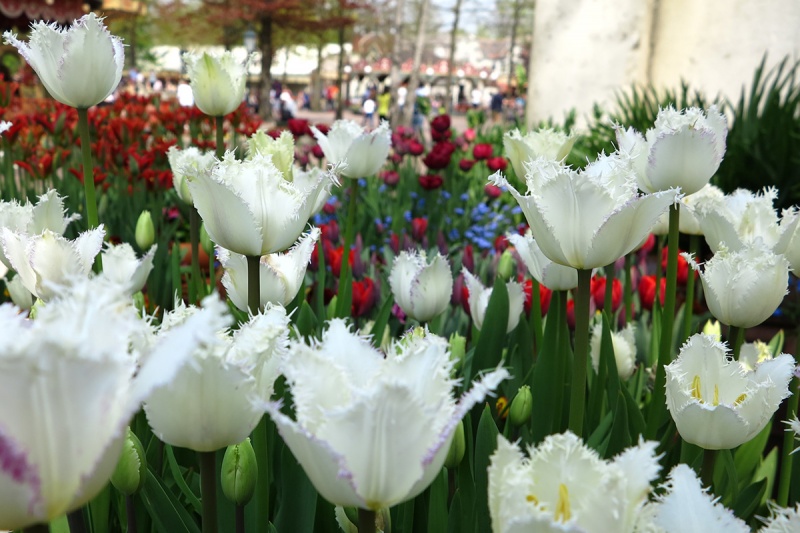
x: 584, y: 51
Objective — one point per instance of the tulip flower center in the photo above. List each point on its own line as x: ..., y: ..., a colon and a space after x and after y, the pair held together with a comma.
x: 563, y: 513
x: 697, y: 395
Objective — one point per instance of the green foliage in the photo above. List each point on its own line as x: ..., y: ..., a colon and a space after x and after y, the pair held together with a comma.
x: 764, y: 138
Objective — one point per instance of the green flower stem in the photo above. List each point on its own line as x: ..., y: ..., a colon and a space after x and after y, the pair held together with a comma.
x: 197, y: 287
x: 707, y: 470
x: 8, y: 169
x: 253, y: 283
x: 88, y: 169
x: 688, y: 307
x: 628, y: 289
x: 208, y: 490
x: 130, y: 511
x: 220, y: 152
x: 536, y: 316
x: 735, y: 339
x: 76, y: 522
x: 578, y: 389
x: 785, y: 479
x: 37, y: 528
x: 560, y: 366
x: 345, y: 293
x: 239, y: 518
x: 259, y: 436
x: 608, y: 297
x: 658, y: 399
x: 366, y: 521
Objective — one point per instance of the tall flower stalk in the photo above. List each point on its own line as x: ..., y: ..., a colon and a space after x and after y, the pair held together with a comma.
x: 577, y: 402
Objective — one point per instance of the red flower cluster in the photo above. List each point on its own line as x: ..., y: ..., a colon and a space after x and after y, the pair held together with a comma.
x: 598, y: 290
x: 482, y: 151
x: 440, y: 155
x: 647, y: 291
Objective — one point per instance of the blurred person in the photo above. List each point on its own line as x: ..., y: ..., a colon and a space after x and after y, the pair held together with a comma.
x: 369, y: 111
x: 184, y: 93
x: 496, y: 105
x: 384, y: 104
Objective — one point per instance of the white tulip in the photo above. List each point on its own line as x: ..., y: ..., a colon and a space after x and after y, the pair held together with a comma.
x: 80, y: 65
x: 624, y: 343
x: 218, y: 81
x: 187, y: 163
x: 46, y: 214
x: 372, y: 431
x: 687, y: 507
x: 422, y: 290
x: 249, y: 208
x: 715, y: 402
x: 552, y: 275
x: 683, y: 149
x: 21, y: 296
x: 47, y: 262
x: 744, y: 218
x: 213, y: 401
x: 743, y: 288
x: 564, y: 486
x: 76, y: 383
x: 358, y: 153
x: 281, y: 150
x: 281, y: 274
x: 547, y: 143
x: 479, y: 300
x: 782, y: 520
x: 587, y: 219
x: 121, y: 265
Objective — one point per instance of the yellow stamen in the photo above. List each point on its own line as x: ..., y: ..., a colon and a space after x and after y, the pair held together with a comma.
x: 716, y: 395
x: 563, y: 512
x: 533, y: 499
x: 742, y: 397
x: 696, y: 389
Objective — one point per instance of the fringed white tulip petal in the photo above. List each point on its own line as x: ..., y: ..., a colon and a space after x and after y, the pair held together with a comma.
x: 516, y: 303
x: 712, y: 428
x: 91, y: 65
x: 685, y: 159
x: 552, y: 275
x: 206, y: 407
x: 120, y: 264
x: 639, y: 466
x: 227, y: 216
x: 234, y: 278
x: 325, y: 467
x: 218, y: 82
x: 688, y: 508
x: 624, y: 229
x: 367, y: 153
x: 508, y: 486
x: 15, y: 248
x: 336, y: 143
x: 174, y: 348
x: 87, y: 245
x: 386, y: 461
x: 432, y: 291
x: 260, y: 345
x: 21, y: 296
x: 775, y: 375
x: 478, y: 298
x: 719, y: 231
x: 402, y: 278
x: 188, y: 162
x: 67, y: 408
x: 782, y: 520
x: 49, y: 213
x: 291, y: 266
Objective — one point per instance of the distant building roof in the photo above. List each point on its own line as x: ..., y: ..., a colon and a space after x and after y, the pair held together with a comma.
x: 20, y: 13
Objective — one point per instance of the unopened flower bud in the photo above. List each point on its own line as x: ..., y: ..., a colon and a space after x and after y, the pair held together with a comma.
x: 458, y: 348
x: 145, y: 231
x: 131, y: 471
x: 457, y: 447
x: 520, y: 412
x: 239, y: 472
x: 38, y: 304
x: 505, y: 267
x: 205, y: 241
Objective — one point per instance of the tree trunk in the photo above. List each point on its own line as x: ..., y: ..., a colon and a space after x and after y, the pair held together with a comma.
x: 452, y: 55
x: 265, y: 105
x: 413, y: 83
x: 339, y: 100
x: 514, y: 24
x: 396, y: 71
